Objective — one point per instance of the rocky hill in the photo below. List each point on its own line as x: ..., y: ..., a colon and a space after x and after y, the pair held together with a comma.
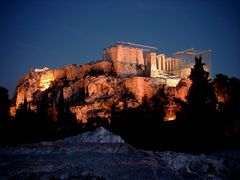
x: 90, y: 90
x: 103, y: 155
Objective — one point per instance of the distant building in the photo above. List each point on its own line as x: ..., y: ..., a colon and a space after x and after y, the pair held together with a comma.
x: 41, y: 70
x: 141, y: 60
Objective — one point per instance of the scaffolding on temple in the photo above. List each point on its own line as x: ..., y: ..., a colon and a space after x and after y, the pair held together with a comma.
x: 134, y: 45
x: 187, y: 58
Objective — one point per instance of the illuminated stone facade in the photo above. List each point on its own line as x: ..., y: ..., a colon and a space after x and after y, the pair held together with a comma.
x: 139, y: 60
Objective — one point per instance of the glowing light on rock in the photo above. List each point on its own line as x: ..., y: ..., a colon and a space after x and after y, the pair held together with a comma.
x: 170, y: 113
x: 45, y: 82
x: 220, y: 99
x: 170, y: 118
x: 12, y: 111
x: 20, y: 98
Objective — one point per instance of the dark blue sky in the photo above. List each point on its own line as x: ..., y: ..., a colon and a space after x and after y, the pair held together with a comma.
x: 54, y: 33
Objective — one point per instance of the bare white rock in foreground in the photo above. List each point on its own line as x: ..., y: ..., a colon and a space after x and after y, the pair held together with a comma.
x: 100, y: 135
x: 103, y: 155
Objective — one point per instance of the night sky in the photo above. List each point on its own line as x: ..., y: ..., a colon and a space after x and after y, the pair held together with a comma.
x: 54, y: 33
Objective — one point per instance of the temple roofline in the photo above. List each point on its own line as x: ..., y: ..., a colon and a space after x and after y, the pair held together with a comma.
x: 191, y: 51
x: 134, y: 45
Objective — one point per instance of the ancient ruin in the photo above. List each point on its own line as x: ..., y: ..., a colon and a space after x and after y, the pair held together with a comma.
x: 131, y: 59
x: 91, y: 89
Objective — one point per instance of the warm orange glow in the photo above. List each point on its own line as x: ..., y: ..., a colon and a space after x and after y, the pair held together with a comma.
x: 20, y: 98
x: 222, y: 98
x: 170, y: 118
x: 45, y: 82
x: 171, y: 112
x: 12, y: 111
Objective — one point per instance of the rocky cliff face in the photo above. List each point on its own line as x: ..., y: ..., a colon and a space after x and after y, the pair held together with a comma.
x: 90, y: 89
x: 182, y: 88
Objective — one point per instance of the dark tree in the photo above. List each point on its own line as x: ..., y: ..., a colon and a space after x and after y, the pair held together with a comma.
x: 24, y: 123
x: 4, y: 114
x: 65, y: 119
x: 141, y: 126
x: 45, y: 121
x: 159, y: 102
x: 201, y: 96
x: 201, y: 128
x: 4, y: 104
x: 228, y: 96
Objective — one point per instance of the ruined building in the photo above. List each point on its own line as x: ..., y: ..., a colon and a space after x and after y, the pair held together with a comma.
x: 131, y: 59
x: 92, y: 89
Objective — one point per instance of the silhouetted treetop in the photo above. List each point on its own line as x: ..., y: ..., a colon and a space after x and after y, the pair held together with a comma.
x: 4, y: 104
x: 201, y: 92
x: 197, y: 72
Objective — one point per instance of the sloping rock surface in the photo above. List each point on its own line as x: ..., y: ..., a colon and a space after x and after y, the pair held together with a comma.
x: 100, y: 135
x: 102, y: 155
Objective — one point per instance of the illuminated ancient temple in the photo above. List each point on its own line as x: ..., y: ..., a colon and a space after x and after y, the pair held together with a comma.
x: 141, y: 60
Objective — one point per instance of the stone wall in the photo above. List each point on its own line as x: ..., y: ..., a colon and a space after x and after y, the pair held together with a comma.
x: 143, y: 86
x: 111, y: 55
x: 73, y: 71
x: 152, y: 70
x: 105, y: 66
x: 135, y: 61
x: 126, y: 60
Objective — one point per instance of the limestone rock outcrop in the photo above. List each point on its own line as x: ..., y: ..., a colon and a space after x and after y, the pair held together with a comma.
x: 182, y: 89
x: 143, y: 86
x: 90, y: 90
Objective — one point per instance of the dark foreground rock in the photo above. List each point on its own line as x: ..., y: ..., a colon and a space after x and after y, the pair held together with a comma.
x: 102, y: 155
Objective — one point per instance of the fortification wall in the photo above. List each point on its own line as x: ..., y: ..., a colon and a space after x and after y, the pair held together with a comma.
x: 126, y: 60
x: 111, y: 55
x: 152, y: 70
x: 140, y: 87
x: 73, y: 71
x: 130, y: 55
x: 125, y: 69
x: 143, y: 86
x: 104, y: 66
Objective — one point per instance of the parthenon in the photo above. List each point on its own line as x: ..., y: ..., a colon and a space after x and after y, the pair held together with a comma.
x: 141, y: 60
